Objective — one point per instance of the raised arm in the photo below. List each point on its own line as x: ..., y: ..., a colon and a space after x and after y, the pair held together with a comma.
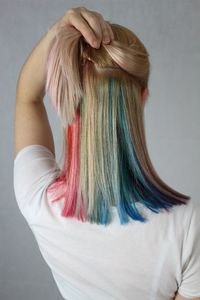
x: 31, y: 120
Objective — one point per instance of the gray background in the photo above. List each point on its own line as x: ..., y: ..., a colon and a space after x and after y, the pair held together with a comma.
x: 170, y: 30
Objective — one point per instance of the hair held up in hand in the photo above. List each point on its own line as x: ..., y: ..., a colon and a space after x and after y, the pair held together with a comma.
x: 97, y: 96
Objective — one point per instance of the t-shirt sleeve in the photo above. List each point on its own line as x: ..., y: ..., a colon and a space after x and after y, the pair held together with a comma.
x: 35, y: 168
x: 190, y: 284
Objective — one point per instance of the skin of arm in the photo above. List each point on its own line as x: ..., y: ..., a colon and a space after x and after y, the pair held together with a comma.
x: 32, y: 77
x: 31, y: 120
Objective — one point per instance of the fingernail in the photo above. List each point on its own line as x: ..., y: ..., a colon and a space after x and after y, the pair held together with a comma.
x: 107, y: 40
x: 95, y: 44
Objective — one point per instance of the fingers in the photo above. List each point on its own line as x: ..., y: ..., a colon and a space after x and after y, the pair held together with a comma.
x: 110, y: 31
x: 101, y: 28
x: 91, y: 25
x: 95, y: 24
x: 106, y: 32
x: 81, y: 25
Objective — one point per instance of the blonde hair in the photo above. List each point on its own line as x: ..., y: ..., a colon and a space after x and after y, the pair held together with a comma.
x: 97, y: 96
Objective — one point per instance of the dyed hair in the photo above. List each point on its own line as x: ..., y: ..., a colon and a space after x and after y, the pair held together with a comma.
x: 97, y: 96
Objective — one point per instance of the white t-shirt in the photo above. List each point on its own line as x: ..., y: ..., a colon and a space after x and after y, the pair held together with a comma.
x: 144, y: 261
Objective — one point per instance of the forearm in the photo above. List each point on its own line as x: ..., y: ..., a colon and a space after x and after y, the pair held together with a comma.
x: 32, y: 77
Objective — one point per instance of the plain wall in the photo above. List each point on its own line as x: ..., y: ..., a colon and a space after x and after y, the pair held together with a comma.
x: 170, y: 31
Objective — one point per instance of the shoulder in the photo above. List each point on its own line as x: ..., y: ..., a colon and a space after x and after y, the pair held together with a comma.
x: 34, y: 168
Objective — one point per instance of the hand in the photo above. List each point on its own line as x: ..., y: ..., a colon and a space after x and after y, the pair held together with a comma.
x: 90, y: 23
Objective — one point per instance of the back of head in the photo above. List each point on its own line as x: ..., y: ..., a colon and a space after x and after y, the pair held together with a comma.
x: 97, y: 95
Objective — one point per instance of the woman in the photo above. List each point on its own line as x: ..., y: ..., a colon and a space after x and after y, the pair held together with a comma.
x: 84, y: 215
